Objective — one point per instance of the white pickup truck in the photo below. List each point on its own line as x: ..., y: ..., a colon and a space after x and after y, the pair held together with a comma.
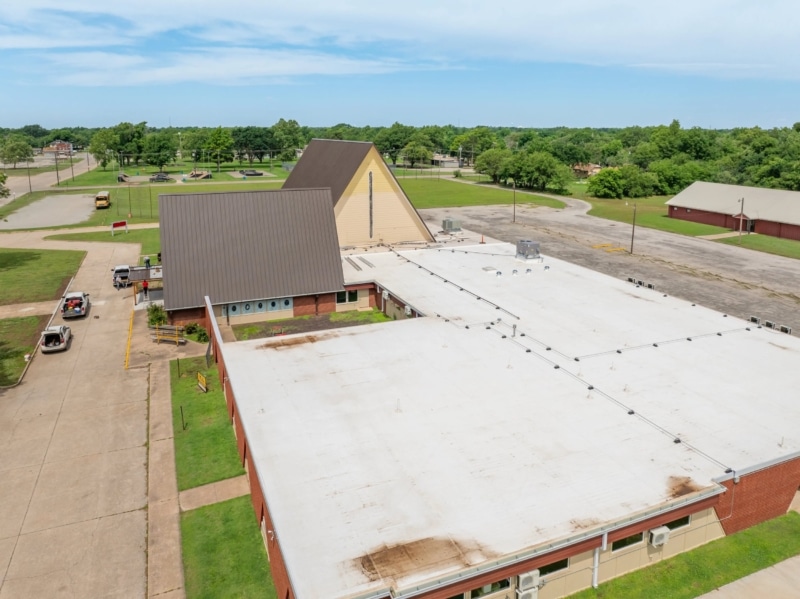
x: 75, y: 304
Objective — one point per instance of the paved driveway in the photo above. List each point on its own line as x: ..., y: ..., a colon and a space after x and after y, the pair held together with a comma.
x: 73, y: 454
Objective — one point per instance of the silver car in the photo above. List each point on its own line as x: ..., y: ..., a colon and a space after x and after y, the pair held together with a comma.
x: 55, y: 338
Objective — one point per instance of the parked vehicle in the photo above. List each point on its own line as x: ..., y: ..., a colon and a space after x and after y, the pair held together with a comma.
x: 102, y: 200
x: 123, y: 271
x: 55, y: 338
x: 160, y: 177
x: 75, y: 304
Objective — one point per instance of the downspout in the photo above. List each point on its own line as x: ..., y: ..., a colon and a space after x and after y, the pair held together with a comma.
x: 596, y: 560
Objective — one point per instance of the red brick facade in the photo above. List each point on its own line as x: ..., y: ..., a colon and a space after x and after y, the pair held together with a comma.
x: 762, y: 227
x: 758, y: 496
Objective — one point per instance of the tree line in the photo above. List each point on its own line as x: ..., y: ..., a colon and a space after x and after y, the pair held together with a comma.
x: 636, y: 161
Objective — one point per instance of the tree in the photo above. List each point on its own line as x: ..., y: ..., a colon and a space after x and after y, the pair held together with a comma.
x: 219, y: 144
x: 636, y: 183
x: 160, y: 148
x: 288, y: 137
x: 15, y: 150
x: 194, y: 143
x: 474, y: 142
x: 415, y: 152
x: 493, y: 163
x: 392, y: 140
x: 606, y: 184
x: 103, y: 146
x: 4, y: 191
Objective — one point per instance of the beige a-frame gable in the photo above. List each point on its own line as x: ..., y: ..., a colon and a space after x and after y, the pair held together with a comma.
x: 391, y: 218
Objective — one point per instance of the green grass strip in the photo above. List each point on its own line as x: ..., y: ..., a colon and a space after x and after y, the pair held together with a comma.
x: 205, y: 451
x: 18, y: 336
x: 36, y: 275
x: 764, y: 243
x: 441, y: 193
x: 223, y: 553
x: 710, y: 566
x: 150, y: 239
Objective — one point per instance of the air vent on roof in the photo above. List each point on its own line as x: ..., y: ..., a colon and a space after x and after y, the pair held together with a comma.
x: 769, y: 324
x: 450, y: 226
x: 527, y: 249
x: 651, y: 286
x: 785, y: 329
x: 755, y: 319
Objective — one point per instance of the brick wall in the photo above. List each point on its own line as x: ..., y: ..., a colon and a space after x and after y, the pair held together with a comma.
x: 184, y: 317
x: 758, y: 496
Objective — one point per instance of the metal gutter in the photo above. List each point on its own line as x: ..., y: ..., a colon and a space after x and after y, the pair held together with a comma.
x: 733, y: 474
x: 504, y: 562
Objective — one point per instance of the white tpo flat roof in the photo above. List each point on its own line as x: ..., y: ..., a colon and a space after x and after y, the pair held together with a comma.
x: 405, y: 452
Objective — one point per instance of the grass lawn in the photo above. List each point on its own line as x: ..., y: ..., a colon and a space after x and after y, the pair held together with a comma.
x: 307, y: 324
x: 650, y: 212
x: 18, y: 336
x: 764, y: 243
x: 223, y: 553
x: 205, y: 451
x: 149, y: 238
x: 36, y: 275
x: 441, y: 193
x: 708, y: 567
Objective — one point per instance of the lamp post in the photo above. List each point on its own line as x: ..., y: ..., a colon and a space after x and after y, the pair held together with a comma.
x: 28, y: 167
x: 58, y: 178
x: 741, y: 219
x: 633, y: 228
x: 515, y: 201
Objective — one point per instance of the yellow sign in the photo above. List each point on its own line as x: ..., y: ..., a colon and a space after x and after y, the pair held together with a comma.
x: 201, y: 382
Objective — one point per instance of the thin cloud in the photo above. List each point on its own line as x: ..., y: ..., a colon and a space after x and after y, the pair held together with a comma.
x: 711, y: 38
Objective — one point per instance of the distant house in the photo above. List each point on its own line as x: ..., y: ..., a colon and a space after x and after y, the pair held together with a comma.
x: 369, y: 204
x: 259, y: 255
x: 774, y: 212
x: 583, y: 171
x: 63, y: 148
x: 444, y: 161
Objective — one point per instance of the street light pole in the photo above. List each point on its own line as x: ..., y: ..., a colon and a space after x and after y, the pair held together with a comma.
x: 515, y: 201
x: 633, y: 228
x: 741, y: 220
x: 58, y: 178
x: 28, y: 167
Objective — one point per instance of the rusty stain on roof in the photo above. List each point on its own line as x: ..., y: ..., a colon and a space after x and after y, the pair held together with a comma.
x: 681, y: 485
x: 429, y: 554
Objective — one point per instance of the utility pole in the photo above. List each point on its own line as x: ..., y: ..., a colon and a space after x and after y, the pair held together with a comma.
x: 28, y: 167
x: 633, y: 228
x: 515, y: 201
x: 741, y: 220
x: 58, y: 178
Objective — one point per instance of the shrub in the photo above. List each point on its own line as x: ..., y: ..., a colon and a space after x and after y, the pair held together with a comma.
x: 156, y: 315
x: 191, y: 328
x: 202, y: 335
x: 457, y: 173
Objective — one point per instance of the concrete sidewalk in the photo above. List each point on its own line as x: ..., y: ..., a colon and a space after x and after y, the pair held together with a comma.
x: 31, y: 309
x: 781, y: 581
x: 191, y: 499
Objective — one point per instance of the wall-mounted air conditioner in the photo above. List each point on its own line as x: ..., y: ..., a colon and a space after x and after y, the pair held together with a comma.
x: 529, y: 580
x: 659, y: 536
x: 529, y: 594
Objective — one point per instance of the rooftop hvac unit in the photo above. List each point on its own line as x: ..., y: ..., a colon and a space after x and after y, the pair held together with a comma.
x: 449, y: 225
x: 755, y: 319
x: 659, y: 536
x: 529, y: 594
x: 527, y: 249
x: 769, y: 324
x: 527, y: 581
x: 785, y: 329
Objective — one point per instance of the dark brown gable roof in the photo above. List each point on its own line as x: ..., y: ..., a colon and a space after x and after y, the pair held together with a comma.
x: 250, y: 245
x: 328, y: 163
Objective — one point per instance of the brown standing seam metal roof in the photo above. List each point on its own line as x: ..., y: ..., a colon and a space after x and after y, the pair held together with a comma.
x: 241, y: 246
x: 328, y: 163
x: 333, y: 163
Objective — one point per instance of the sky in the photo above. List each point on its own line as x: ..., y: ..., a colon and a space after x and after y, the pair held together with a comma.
x: 517, y: 63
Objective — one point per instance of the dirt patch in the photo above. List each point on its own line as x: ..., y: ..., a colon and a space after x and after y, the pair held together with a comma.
x: 293, y: 341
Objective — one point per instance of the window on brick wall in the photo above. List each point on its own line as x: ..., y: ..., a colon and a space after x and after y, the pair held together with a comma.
x: 554, y: 567
x: 347, y: 297
x: 488, y: 589
x: 627, y: 541
x: 679, y: 523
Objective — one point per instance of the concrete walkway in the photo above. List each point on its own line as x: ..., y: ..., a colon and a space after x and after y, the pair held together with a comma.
x: 30, y: 309
x: 724, y: 235
x: 231, y: 488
